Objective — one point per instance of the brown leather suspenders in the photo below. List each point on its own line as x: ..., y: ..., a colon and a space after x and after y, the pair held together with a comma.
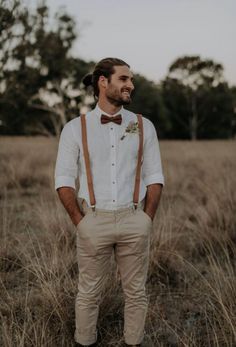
x: 87, y: 162
x: 88, y: 167
x: 139, y: 163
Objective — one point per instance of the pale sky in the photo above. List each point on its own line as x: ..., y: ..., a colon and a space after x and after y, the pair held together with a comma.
x: 149, y: 35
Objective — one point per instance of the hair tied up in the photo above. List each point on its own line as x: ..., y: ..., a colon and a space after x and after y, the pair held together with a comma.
x: 104, y: 67
x: 88, y: 80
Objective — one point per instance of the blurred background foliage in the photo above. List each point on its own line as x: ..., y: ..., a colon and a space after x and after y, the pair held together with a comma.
x: 40, y: 83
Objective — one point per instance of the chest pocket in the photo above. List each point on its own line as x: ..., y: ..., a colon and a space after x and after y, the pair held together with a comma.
x: 129, y: 146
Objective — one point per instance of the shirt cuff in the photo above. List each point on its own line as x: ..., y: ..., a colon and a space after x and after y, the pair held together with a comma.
x: 64, y: 181
x: 156, y: 178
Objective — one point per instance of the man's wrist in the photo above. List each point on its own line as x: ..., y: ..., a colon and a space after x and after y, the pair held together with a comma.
x: 150, y: 214
x: 76, y: 219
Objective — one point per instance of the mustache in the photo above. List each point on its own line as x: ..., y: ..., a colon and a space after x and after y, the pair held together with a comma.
x: 129, y: 90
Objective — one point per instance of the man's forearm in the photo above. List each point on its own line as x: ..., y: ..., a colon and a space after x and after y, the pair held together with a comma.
x: 152, y: 199
x: 69, y: 201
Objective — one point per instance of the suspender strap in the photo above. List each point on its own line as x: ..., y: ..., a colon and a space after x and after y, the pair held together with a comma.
x: 88, y: 168
x: 139, y: 163
x: 87, y: 162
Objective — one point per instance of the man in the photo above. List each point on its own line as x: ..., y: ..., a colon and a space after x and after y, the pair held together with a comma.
x: 116, y: 155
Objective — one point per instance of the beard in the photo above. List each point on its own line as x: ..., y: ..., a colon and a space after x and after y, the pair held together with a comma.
x: 116, y: 99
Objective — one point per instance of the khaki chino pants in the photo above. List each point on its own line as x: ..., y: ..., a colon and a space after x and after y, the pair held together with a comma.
x: 127, y: 233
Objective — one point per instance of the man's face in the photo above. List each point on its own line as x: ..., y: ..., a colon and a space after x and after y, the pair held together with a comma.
x: 120, y: 86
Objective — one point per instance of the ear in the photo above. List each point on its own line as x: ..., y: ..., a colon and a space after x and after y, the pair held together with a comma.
x: 103, y: 81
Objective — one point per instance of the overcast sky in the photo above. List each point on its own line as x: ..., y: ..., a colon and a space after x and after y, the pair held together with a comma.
x: 151, y: 34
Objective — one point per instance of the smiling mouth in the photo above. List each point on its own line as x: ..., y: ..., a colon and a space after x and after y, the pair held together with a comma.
x: 126, y: 93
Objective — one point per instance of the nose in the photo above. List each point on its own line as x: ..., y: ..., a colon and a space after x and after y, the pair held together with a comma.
x: 130, y: 85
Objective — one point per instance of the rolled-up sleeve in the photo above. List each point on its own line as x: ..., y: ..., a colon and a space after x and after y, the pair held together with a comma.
x: 152, y: 167
x: 66, y: 169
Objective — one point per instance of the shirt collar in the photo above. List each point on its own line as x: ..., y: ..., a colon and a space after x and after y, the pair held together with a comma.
x: 99, y: 112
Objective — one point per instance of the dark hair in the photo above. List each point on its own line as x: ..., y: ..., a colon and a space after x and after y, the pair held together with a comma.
x: 105, y: 68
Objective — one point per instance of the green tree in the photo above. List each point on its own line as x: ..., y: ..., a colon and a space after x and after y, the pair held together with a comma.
x: 198, y: 99
x: 39, y: 77
x: 233, y: 122
x: 147, y: 98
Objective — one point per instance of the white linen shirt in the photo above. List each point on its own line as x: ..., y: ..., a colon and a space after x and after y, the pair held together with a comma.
x: 113, y: 161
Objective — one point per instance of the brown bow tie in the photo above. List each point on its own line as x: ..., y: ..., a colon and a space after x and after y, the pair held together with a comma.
x: 106, y: 119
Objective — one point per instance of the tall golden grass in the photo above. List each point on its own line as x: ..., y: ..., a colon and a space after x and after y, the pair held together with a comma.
x: 191, y: 282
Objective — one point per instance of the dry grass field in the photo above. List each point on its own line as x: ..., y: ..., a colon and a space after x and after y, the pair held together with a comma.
x: 192, y: 274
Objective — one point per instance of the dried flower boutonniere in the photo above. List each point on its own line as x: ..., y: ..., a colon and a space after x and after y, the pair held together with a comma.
x: 132, y: 128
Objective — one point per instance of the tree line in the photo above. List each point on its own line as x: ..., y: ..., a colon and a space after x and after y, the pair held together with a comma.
x: 40, y: 83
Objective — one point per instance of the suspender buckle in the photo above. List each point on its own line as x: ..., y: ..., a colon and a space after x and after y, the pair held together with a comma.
x: 135, y: 205
x: 93, y: 207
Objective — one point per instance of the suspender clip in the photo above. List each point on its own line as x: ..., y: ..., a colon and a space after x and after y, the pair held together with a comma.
x: 135, y: 205
x: 93, y: 207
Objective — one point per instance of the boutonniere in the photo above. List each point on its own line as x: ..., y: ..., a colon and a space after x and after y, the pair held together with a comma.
x: 132, y: 128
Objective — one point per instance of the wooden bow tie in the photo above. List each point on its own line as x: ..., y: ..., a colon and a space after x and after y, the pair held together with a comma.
x: 106, y: 119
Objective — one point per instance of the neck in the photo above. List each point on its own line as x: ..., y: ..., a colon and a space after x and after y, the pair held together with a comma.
x: 108, y: 108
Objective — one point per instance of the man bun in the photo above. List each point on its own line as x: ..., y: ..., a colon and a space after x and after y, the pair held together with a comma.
x: 88, y: 80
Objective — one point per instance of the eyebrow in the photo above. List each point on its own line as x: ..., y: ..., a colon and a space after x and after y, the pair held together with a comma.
x: 126, y: 76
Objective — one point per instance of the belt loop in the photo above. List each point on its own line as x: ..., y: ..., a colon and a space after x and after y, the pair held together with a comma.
x: 135, y: 205
x: 93, y: 207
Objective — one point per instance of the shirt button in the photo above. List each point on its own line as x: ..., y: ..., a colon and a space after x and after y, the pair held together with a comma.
x: 112, y: 164
x: 113, y: 182
x: 111, y: 128
x: 114, y: 200
x: 112, y: 146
